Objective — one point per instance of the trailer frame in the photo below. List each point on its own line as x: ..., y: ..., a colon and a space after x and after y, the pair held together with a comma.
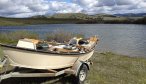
x: 23, y: 72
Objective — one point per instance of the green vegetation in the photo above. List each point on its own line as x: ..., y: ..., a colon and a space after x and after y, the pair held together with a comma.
x: 71, y: 18
x: 111, y: 68
x: 62, y: 36
x: 10, y: 23
x: 13, y: 37
x: 58, y: 35
x: 141, y: 21
x: 31, y: 21
x: 107, y: 68
x: 1, y: 53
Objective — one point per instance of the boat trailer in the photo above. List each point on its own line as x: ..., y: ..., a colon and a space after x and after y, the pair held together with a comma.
x: 79, y: 70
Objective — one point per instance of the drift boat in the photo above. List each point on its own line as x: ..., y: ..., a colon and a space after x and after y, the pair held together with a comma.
x: 36, y: 54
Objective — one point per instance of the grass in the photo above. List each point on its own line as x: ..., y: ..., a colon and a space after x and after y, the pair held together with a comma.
x: 62, y: 36
x: 34, y: 21
x: 13, y: 37
x: 58, y: 35
x: 111, y: 68
x: 108, y: 68
x: 10, y: 23
x: 1, y: 53
x: 77, y: 18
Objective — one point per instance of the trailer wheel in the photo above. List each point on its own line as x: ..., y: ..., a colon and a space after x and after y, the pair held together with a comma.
x: 82, y: 74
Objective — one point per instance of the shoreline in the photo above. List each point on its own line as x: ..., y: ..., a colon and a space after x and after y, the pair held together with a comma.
x: 65, y: 23
x: 36, y: 21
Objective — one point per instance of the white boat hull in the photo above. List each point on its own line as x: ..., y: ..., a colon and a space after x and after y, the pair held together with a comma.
x: 38, y: 60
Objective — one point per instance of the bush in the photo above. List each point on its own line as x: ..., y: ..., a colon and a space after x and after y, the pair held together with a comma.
x: 13, y: 37
x: 58, y: 35
x: 61, y: 36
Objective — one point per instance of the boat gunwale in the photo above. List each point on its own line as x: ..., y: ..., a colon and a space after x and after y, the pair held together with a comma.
x: 47, y: 52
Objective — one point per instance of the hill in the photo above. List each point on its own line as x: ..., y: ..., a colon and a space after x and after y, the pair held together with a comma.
x: 39, y: 16
x: 5, y: 22
x: 132, y: 14
x: 69, y: 18
x: 141, y: 21
x: 81, y: 16
x: 34, y: 21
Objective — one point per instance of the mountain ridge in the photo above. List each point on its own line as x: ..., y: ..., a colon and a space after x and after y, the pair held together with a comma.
x: 132, y: 14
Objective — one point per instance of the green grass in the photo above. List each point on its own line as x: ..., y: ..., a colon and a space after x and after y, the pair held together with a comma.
x: 1, y: 53
x: 110, y: 68
x: 34, y: 21
x: 58, y: 35
x: 13, y: 37
x: 9, y: 23
x: 67, y: 18
x: 107, y: 68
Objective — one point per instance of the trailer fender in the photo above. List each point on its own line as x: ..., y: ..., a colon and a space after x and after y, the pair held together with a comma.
x: 77, y: 65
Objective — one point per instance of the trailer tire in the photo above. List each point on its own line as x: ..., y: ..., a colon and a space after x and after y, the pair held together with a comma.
x: 82, y: 74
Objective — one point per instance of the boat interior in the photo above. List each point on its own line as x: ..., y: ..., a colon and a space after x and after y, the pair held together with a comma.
x: 75, y: 45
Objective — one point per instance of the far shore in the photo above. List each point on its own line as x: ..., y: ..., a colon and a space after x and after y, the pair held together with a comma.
x: 72, y: 19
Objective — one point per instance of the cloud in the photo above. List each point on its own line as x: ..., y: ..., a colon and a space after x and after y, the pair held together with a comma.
x: 86, y: 3
x: 17, y: 8
x: 20, y: 8
x: 112, y: 6
x: 64, y: 7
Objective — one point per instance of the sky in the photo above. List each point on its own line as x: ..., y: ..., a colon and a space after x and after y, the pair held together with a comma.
x: 27, y: 8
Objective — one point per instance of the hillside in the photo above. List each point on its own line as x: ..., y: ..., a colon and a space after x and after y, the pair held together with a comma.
x: 39, y: 16
x: 132, y: 14
x: 141, y: 21
x: 97, y: 18
x: 71, y: 18
x: 34, y: 21
x: 82, y: 16
x: 10, y: 23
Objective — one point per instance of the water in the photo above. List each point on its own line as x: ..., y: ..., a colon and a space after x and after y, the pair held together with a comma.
x: 125, y: 39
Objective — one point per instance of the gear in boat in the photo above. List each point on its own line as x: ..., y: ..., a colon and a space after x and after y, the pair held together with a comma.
x: 37, y: 54
x: 75, y: 45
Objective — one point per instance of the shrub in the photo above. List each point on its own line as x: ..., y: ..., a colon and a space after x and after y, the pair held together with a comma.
x: 13, y: 37
x: 58, y: 35
x: 61, y: 36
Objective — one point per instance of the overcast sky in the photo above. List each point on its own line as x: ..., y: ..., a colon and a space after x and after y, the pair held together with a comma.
x: 26, y: 8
